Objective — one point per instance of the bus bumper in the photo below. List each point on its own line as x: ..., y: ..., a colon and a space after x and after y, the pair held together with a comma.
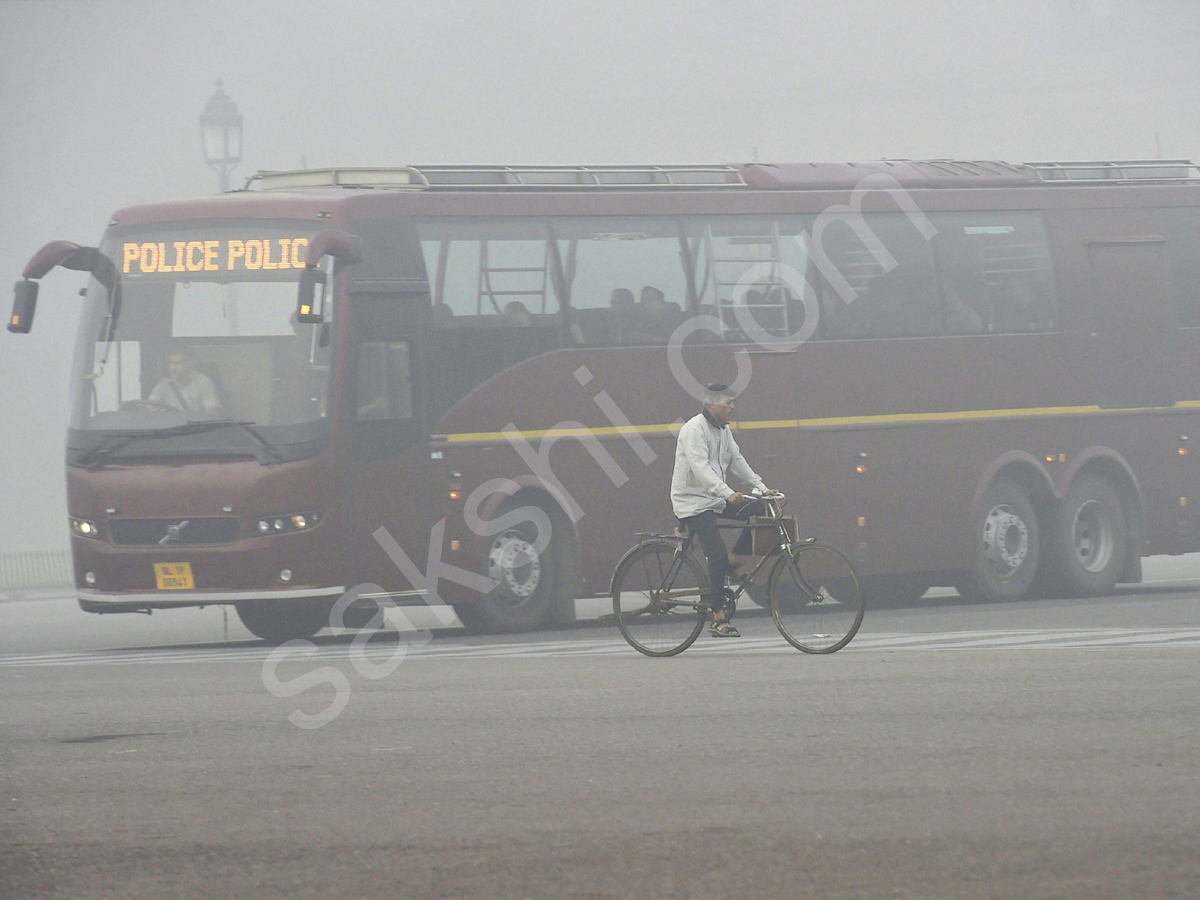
x: 101, y: 602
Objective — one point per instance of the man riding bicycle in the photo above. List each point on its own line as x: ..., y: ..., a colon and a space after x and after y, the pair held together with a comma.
x: 704, y: 452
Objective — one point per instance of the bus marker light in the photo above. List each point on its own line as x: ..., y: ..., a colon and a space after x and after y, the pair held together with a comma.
x: 454, y: 495
x: 1183, y: 451
x: 454, y: 545
x: 1049, y: 459
x: 860, y: 469
x: 862, y: 521
x: 1062, y: 457
x: 1183, y: 501
x: 89, y: 577
x: 285, y: 574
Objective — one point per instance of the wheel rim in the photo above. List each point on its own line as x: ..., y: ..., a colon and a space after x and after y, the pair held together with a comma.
x: 1005, y: 541
x: 658, y: 601
x: 1093, y: 537
x: 816, y: 600
x: 514, y: 563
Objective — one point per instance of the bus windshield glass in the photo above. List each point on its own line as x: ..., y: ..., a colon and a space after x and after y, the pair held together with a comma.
x: 202, y: 328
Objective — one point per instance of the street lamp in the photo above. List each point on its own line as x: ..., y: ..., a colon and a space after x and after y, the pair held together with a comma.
x: 221, y: 130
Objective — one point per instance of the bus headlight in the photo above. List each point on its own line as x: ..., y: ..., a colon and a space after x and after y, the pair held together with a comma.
x: 288, y: 523
x: 84, y: 528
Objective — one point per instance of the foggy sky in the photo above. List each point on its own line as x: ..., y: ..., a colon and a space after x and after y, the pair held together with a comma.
x: 100, y: 102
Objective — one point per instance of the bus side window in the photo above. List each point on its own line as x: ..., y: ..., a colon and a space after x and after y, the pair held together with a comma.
x: 750, y: 273
x: 625, y: 279
x: 1183, y: 249
x: 996, y: 273
x: 900, y: 301
x: 489, y: 273
x: 384, y: 383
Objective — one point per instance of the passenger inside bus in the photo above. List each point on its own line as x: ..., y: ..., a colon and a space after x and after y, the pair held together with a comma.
x: 893, y: 306
x: 442, y: 315
x: 656, y: 317
x: 517, y: 315
x: 1018, y: 309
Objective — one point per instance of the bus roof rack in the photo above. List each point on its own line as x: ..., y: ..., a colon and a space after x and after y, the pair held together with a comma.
x: 916, y: 173
x: 1135, y: 171
x: 459, y: 177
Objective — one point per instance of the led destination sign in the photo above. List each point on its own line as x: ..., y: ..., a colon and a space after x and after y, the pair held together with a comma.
x: 231, y: 255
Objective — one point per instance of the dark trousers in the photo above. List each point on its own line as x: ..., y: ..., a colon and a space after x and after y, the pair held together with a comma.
x: 704, y: 526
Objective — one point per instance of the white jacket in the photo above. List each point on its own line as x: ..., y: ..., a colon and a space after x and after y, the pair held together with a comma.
x: 703, y: 454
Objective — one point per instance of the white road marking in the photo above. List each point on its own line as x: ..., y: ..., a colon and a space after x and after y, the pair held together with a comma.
x: 594, y: 645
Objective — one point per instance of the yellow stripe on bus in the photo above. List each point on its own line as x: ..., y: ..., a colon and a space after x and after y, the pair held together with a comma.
x: 881, y: 419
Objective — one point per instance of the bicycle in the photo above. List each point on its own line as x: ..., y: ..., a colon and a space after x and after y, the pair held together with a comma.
x: 661, y: 596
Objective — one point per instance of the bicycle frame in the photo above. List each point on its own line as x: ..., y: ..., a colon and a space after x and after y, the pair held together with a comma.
x: 819, y: 620
x: 682, y: 542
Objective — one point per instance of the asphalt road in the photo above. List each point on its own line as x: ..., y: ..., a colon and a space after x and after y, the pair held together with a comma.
x: 1035, y: 749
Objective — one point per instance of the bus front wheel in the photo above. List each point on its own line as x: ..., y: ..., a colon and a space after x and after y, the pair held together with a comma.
x: 524, y: 579
x: 1088, y: 537
x: 277, y: 621
x: 1004, y: 531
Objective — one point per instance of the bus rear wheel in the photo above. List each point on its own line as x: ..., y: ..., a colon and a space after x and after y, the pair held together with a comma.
x: 1089, y: 538
x: 1004, y: 530
x: 524, y: 579
x: 277, y: 621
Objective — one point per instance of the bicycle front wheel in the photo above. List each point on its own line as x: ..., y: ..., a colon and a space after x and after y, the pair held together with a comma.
x: 816, y: 598
x: 660, y: 598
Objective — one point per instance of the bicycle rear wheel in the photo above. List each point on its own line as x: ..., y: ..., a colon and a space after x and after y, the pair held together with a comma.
x: 816, y: 598
x: 660, y: 598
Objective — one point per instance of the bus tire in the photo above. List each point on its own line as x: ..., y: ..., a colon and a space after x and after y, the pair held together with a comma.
x: 1004, y: 530
x: 1089, y: 537
x: 524, y: 591
x: 277, y: 621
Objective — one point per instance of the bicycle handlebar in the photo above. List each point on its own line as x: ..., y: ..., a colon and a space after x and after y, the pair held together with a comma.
x: 759, y: 495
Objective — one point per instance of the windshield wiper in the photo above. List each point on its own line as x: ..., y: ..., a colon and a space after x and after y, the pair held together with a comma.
x: 114, y: 443
x: 248, y: 428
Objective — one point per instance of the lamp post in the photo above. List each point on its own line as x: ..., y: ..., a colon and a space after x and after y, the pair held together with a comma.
x: 221, y: 131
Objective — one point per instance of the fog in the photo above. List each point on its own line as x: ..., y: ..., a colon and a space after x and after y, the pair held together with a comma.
x: 101, y: 101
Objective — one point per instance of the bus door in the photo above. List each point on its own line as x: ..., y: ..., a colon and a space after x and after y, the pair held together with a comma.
x: 389, y: 471
x: 1135, y: 341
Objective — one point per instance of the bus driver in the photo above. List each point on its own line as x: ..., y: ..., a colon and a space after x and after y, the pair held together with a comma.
x: 704, y: 452
x: 184, y: 388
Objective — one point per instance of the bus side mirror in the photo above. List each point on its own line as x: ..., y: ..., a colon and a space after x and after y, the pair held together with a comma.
x: 310, y: 302
x: 69, y: 256
x: 24, y: 302
x: 346, y: 248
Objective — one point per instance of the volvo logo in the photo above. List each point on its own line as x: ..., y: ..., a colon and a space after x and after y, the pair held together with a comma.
x: 173, y: 532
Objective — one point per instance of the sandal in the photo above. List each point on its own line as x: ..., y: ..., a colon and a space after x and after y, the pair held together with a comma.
x: 723, y: 629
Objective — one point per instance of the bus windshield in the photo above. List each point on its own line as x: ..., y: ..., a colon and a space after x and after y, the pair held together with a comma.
x: 201, y: 328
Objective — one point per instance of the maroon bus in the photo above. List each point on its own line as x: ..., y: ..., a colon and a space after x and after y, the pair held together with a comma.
x: 464, y: 382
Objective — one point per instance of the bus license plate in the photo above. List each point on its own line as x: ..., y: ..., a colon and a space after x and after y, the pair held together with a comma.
x: 174, y: 576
